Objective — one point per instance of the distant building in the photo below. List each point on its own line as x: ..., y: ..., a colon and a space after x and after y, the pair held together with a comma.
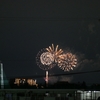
x: 3, y: 78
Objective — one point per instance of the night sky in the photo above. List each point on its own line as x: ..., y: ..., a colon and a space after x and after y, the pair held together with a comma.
x: 28, y: 26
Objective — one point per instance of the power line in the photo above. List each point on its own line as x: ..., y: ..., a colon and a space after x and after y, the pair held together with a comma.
x: 41, y: 76
x: 46, y: 19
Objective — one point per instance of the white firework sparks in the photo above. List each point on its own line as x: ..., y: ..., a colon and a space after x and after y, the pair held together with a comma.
x: 46, y: 58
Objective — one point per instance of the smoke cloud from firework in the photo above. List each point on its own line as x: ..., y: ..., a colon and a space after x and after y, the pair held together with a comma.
x: 65, y: 78
x: 54, y: 79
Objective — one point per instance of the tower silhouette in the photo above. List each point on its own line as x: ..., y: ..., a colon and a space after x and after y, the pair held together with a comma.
x: 1, y: 76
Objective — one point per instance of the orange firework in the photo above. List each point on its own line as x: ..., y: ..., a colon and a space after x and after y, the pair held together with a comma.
x: 51, y: 56
x: 67, y: 61
x: 55, y: 51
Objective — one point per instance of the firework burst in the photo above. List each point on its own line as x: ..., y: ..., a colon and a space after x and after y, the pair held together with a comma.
x: 67, y: 61
x: 45, y: 60
x: 51, y: 56
x: 54, y: 51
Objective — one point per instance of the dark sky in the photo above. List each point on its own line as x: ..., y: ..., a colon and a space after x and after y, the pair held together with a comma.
x: 28, y: 26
